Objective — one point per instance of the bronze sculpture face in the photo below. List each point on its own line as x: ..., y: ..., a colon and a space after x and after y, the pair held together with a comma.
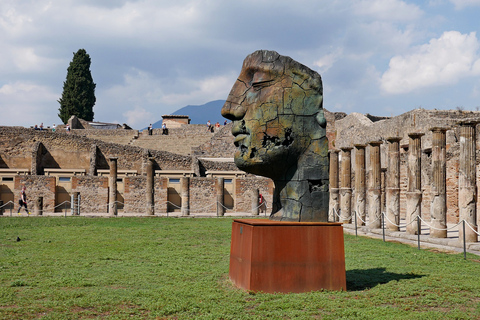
x: 279, y: 129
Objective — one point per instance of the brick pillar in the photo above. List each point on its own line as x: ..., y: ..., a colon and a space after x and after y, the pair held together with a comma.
x: 220, y: 196
x: 346, y: 186
x: 255, y: 202
x: 374, y: 187
x: 185, y: 196
x: 438, y: 207
x: 334, y: 191
x: 414, y: 182
x: 467, y: 194
x: 149, y: 192
x: 360, y: 203
x: 38, y: 206
x: 112, y: 185
x: 393, y: 184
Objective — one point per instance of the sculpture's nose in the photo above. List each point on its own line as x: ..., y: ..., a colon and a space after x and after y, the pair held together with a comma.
x: 233, y: 109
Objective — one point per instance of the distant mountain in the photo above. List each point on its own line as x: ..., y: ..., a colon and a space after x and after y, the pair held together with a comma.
x: 199, y: 114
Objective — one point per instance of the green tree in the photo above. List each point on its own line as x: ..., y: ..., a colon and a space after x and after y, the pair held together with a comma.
x: 78, y: 97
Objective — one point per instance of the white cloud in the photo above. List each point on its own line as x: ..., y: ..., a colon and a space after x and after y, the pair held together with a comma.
x: 26, y: 103
x: 138, y: 117
x: 443, y: 61
x: 326, y: 62
x: 461, y: 4
x: 388, y: 10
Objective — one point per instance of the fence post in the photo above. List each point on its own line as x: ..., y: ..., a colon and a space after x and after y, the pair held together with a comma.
x: 356, y: 223
x: 418, y: 231
x: 464, y: 242
x: 383, y: 226
x: 78, y: 203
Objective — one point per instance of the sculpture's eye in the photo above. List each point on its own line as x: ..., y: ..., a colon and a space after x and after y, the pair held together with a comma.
x: 261, y: 80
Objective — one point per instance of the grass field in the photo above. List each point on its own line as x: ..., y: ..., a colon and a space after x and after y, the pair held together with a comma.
x: 171, y: 268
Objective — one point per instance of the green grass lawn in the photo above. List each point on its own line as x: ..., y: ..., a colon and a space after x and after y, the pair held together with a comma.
x: 171, y: 268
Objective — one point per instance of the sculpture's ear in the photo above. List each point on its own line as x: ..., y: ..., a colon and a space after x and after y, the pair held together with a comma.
x: 321, y: 118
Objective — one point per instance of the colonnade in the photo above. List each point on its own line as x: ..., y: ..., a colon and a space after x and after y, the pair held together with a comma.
x: 185, y: 192
x: 341, y: 195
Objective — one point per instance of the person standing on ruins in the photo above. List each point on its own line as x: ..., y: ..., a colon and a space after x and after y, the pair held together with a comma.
x: 164, y: 129
x: 23, y: 200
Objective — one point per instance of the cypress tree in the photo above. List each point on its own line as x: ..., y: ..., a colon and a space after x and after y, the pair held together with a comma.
x: 78, y: 97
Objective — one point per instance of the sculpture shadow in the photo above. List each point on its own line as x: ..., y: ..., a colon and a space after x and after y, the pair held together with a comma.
x: 362, y: 279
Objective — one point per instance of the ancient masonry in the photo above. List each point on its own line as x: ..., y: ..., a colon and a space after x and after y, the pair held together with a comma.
x: 423, y: 162
x: 419, y: 165
x: 110, y: 171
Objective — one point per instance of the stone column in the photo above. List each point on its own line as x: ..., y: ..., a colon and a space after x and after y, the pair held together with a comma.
x: 255, y: 202
x: 75, y: 203
x: 38, y: 206
x: 112, y: 184
x: 393, y: 184
x: 438, y: 207
x: 374, y: 187
x: 149, y: 192
x: 467, y: 194
x: 414, y: 182
x: 346, y: 186
x: 185, y: 196
x: 334, y: 191
x: 360, y: 203
x: 220, y: 197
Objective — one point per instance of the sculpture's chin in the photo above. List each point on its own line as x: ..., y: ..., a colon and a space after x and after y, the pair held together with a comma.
x: 251, y: 165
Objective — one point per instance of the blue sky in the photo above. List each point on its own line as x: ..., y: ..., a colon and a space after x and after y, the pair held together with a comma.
x: 150, y: 57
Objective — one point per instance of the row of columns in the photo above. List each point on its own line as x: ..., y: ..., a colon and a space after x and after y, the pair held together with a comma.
x: 185, y: 192
x: 466, y: 183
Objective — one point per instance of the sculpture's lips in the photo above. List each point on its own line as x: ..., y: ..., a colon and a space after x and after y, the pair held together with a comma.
x: 239, y: 138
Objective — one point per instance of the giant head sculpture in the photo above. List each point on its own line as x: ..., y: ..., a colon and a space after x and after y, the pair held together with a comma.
x: 280, y: 133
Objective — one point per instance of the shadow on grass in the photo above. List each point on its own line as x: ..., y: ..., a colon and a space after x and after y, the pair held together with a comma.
x: 361, y: 279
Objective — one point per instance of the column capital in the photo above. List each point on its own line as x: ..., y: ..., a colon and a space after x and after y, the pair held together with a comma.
x: 414, y: 135
x: 334, y: 151
x: 346, y: 149
x: 394, y: 139
x: 360, y: 145
x: 468, y: 122
x: 375, y: 143
x: 439, y: 129
x: 113, y: 158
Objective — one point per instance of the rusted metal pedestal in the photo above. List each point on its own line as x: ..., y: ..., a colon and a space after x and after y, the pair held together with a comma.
x: 276, y: 256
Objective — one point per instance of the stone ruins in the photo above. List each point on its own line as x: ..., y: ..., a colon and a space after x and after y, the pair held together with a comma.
x: 423, y: 162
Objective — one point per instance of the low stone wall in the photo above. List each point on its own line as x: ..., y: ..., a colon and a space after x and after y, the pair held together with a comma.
x: 93, y: 193
x: 244, y: 188
x: 36, y: 186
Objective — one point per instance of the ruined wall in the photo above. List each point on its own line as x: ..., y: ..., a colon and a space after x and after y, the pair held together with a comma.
x: 202, y: 195
x: 135, y: 198
x: 220, y: 146
x: 36, y: 186
x: 93, y: 193
x: 243, y: 190
x: 71, y: 151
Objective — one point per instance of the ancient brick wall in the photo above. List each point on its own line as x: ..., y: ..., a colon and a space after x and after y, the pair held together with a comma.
x: 202, y: 195
x: 135, y: 197
x: 93, y: 193
x: 243, y: 191
x: 36, y: 186
x: 70, y: 151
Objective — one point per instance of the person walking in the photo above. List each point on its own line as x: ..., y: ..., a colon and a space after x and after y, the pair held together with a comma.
x: 23, y: 200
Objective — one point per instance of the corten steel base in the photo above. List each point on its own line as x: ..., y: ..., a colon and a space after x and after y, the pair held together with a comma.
x: 276, y: 256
